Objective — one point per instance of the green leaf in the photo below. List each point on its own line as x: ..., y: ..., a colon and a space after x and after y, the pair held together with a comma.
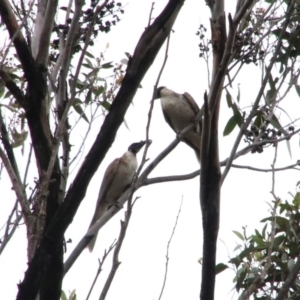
x: 2, y: 90
x: 107, y: 65
x: 297, y: 87
x: 271, y: 96
x: 89, y: 63
x: 259, y: 241
x: 229, y: 126
x: 228, y: 98
x: 88, y: 97
x: 258, y: 120
x: 239, y: 235
x: 128, y: 55
x: 236, y: 260
x: 98, y: 90
x: 89, y: 54
x: 296, y: 200
x: 79, y: 110
x: 247, y: 251
x: 87, y: 66
x: 275, y: 122
x: 237, y: 114
x: 105, y: 104
x: 63, y: 295
x: 282, y: 222
x: 264, y: 231
x: 220, y: 268
x: 278, y: 241
x: 239, y: 94
x: 285, y: 35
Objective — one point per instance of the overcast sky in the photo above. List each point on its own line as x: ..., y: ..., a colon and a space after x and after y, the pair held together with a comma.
x: 245, y: 194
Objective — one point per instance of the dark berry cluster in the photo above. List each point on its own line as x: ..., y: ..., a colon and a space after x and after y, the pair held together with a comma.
x: 105, y: 19
x: 263, y: 133
x: 203, y: 46
x: 246, y: 47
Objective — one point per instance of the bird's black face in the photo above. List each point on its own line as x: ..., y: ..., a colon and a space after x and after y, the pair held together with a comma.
x: 136, y: 147
x: 157, y: 94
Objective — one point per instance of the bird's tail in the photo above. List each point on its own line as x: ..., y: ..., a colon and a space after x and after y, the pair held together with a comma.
x: 97, y: 215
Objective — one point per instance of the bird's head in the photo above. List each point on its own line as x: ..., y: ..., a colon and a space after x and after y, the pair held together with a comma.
x: 136, y: 147
x: 158, y: 92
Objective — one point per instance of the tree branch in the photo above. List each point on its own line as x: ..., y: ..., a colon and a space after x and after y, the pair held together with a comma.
x: 44, y: 38
x: 17, y: 186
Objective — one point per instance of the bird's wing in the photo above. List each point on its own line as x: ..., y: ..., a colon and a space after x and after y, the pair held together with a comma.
x: 108, y: 178
x: 192, y: 103
x: 194, y: 106
x: 103, y: 205
x: 168, y: 120
x: 106, y: 183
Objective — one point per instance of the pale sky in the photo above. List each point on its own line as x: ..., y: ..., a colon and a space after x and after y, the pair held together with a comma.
x: 244, y: 198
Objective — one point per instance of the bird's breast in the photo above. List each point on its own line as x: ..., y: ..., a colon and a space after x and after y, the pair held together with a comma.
x: 178, y: 111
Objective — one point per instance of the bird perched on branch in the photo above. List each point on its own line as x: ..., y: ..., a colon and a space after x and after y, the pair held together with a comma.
x: 179, y: 111
x: 117, y: 178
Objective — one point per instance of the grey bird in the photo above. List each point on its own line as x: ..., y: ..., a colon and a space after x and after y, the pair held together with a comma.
x: 117, y: 178
x: 179, y: 111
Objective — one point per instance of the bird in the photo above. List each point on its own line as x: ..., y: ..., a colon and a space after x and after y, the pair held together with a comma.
x: 179, y: 111
x: 117, y: 178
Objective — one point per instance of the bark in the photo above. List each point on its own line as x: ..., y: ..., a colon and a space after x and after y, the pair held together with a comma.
x: 35, y: 104
x: 210, y: 175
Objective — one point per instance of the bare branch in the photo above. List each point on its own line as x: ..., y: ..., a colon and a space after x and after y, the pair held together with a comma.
x: 17, y: 186
x: 44, y: 38
x: 116, y: 262
x: 152, y: 100
x: 101, y: 262
x: 11, y: 227
x: 290, y: 167
x: 8, y: 148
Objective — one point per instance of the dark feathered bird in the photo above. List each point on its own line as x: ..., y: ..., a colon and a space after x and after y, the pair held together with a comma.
x: 117, y: 178
x: 179, y: 111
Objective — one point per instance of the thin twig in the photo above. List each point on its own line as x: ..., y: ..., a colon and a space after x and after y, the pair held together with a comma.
x: 27, y: 166
x: 116, y: 262
x: 10, y: 227
x: 17, y: 186
x: 150, y: 14
x: 152, y: 100
x: 101, y: 263
x: 168, y: 247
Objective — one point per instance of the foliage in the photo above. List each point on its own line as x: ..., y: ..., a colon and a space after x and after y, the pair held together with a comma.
x: 266, y: 257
